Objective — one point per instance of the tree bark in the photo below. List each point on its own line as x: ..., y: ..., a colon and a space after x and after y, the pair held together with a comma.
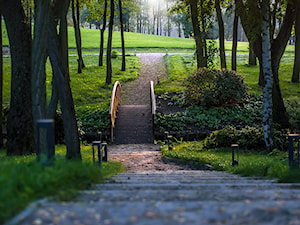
x: 234, y: 41
x: 1, y: 83
x: 122, y: 38
x: 197, y: 33
x: 296, y: 69
x: 61, y: 79
x: 268, y: 77
x: 109, y: 43
x: 20, y: 136
x: 252, y: 56
x: 221, y: 34
x: 76, y: 23
x: 278, y: 46
x: 102, y: 34
x: 39, y: 57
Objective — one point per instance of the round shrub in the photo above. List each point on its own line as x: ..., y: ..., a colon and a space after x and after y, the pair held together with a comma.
x: 215, y: 88
x: 247, y: 138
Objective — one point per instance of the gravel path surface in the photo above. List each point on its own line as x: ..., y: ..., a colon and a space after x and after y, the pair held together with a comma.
x: 137, y: 91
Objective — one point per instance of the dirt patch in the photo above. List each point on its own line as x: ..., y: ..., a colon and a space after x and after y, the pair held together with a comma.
x: 141, y: 157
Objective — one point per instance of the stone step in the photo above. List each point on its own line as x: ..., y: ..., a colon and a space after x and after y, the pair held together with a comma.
x: 196, y: 194
x: 134, y: 125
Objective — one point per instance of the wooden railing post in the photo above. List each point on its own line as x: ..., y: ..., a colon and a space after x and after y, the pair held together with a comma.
x: 153, y: 104
x: 115, y: 102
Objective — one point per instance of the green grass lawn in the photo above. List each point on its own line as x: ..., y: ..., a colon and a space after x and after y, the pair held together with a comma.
x: 251, y: 163
x: 23, y: 180
x: 179, y: 67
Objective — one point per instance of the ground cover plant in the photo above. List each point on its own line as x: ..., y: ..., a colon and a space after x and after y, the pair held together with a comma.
x: 61, y: 181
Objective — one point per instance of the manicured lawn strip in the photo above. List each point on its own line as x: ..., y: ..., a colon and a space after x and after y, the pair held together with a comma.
x: 23, y: 180
x: 179, y: 67
x: 251, y: 163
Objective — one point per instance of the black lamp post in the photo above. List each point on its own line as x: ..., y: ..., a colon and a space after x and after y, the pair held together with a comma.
x: 235, y: 150
x: 293, y: 138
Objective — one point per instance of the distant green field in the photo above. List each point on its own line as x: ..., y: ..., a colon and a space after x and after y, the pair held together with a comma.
x: 137, y: 42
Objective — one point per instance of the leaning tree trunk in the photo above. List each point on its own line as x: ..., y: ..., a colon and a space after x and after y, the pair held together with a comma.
x: 76, y: 23
x: 102, y: 35
x: 252, y: 56
x: 221, y: 34
x: 109, y: 43
x: 122, y: 37
x: 234, y: 41
x: 39, y: 58
x: 1, y: 83
x: 296, y: 69
x: 268, y: 77
x: 20, y: 133
x: 61, y: 81
x: 197, y: 33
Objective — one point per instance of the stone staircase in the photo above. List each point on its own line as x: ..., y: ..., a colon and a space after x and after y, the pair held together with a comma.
x: 134, y: 125
x: 194, y: 197
x: 176, y: 197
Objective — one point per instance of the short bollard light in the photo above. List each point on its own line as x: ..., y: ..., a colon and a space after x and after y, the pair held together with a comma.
x: 48, y: 125
x: 97, y: 144
x: 166, y: 134
x: 170, y: 142
x: 293, y: 146
x: 235, y: 151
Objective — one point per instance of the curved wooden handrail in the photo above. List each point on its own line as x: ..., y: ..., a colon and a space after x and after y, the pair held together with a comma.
x: 115, y: 102
x: 152, y: 96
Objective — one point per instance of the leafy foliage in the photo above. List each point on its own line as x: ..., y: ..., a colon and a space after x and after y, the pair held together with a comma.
x: 251, y: 138
x: 247, y: 138
x: 215, y: 88
x: 212, y: 118
x: 292, y: 105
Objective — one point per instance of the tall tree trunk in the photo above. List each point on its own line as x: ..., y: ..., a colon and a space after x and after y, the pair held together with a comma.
x: 197, y: 33
x: 122, y: 37
x: 39, y: 57
x: 1, y: 82
x: 278, y: 46
x: 20, y: 136
x: 109, y: 43
x: 76, y: 23
x: 61, y: 77
x: 234, y: 41
x: 102, y: 34
x: 221, y: 34
x: 252, y: 56
x: 296, y: 69
x: 268, y: 77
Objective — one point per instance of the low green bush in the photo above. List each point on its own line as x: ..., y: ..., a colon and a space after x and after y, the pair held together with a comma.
x: 292, y: 105
x: 215, y: 88
x: 214, y: 118
x: 248, y: 138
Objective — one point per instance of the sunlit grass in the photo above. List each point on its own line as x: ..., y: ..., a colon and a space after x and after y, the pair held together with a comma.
x: 251, y: 163
x: 179, y: 67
